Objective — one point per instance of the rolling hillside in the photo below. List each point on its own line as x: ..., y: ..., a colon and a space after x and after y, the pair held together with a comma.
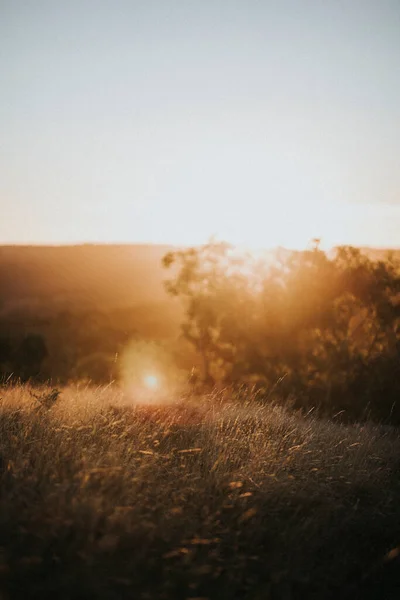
x: 92, y: 274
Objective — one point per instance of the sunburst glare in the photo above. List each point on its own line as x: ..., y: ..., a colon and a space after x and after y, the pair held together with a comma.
x: 151, y: 381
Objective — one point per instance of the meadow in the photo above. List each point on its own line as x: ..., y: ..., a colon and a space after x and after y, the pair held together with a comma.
x: 220, y: 496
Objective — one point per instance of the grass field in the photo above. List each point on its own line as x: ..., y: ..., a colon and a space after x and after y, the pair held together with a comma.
x: 198, y: 499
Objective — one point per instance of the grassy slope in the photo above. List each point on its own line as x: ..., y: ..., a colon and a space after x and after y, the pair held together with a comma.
x: 102, y: 500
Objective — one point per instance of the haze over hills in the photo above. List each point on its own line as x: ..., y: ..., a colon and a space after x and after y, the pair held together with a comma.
x: 87, y: 302
x: 107, y: 276
x: 104, y: 275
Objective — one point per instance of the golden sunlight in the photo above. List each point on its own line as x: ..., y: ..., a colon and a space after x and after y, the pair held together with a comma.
x: 151, y: 381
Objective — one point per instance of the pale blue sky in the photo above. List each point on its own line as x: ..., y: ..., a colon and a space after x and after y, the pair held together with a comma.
x: 167, y: 121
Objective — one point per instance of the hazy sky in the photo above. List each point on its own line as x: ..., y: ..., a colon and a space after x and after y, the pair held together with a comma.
x: 263, y: 122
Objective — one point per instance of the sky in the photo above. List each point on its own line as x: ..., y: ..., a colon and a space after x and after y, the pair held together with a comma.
x: 260, y: 122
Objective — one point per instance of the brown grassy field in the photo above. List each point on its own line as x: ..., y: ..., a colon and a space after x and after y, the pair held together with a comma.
x: 213, y: 497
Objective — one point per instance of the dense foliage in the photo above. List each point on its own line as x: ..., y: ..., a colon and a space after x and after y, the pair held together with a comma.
x: 325, y: 329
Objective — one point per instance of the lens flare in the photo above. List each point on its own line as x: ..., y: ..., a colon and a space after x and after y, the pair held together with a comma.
x: 151, y: 382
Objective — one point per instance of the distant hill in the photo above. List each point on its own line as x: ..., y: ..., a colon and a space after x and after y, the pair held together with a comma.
x: 102, y: 275
x: 105, y: 276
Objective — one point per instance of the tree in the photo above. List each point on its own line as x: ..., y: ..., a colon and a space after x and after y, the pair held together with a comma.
x: 328, y: 326
x: 5, y: 357
x: 199, y: 279
x: 5, y: 350
x: 30, y: 355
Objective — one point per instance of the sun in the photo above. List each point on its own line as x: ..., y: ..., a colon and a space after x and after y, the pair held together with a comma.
x: 151, y: 381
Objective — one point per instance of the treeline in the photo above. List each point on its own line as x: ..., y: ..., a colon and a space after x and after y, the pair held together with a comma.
x: 322, y: 330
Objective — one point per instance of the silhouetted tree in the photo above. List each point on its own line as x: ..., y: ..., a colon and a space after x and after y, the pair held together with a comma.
x: 200, y: 280
x: 30, y: 355
x: 5, y: 358
x: 5, y: 350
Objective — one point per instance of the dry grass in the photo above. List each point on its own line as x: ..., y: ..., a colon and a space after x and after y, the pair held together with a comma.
x: 102, y: 499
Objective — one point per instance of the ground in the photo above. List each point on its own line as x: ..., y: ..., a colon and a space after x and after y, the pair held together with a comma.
x: 209, y: 497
